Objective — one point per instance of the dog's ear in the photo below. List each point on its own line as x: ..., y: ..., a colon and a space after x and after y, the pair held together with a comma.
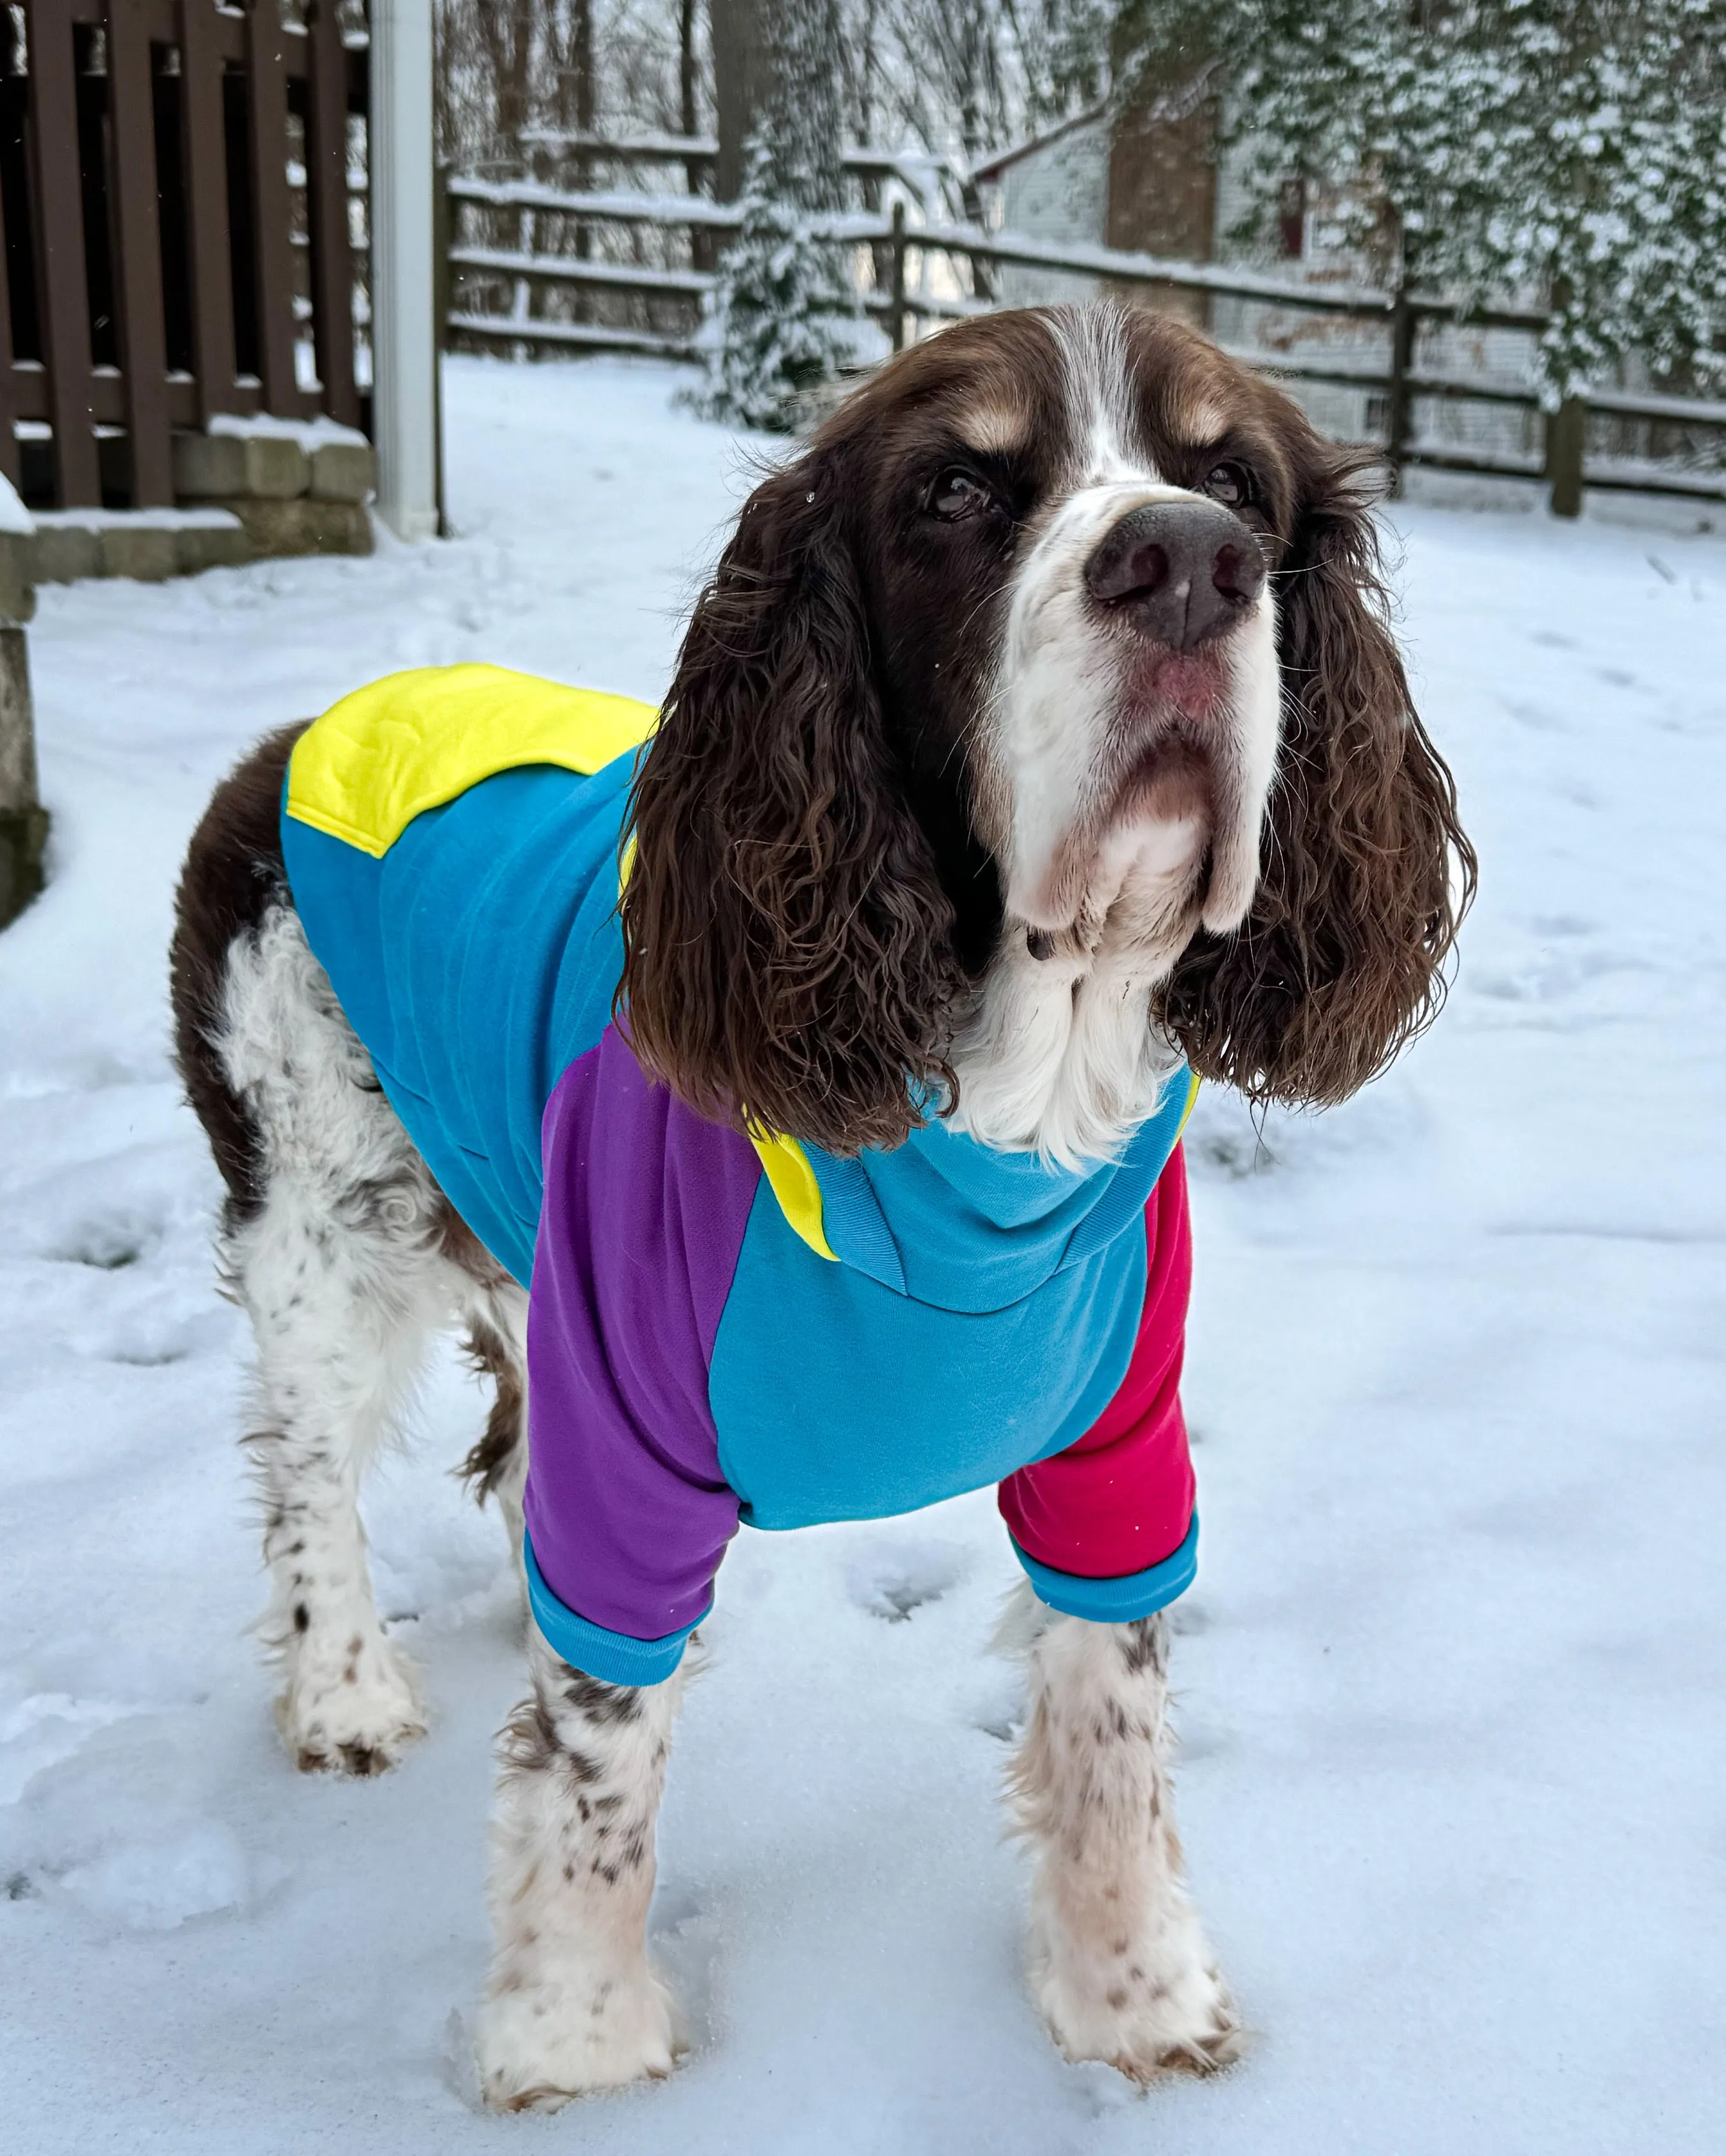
x: 787, y: 960
x: 1365, y: 870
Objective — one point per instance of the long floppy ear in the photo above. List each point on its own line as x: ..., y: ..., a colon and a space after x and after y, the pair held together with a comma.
x: 788, y: 962
x: 1366, y: 872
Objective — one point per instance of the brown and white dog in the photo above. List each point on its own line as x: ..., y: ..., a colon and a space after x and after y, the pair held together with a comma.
x: 1040, y: 722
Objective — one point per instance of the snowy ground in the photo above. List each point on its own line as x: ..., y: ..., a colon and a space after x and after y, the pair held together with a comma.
x: 1453, y: 1671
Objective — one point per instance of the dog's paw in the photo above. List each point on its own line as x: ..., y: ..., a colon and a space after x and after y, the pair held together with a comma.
x: 1164, y: 2010
x: 543, y: 2043
x: 356, y: 1717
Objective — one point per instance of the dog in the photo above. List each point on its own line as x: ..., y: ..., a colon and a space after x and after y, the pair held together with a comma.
x: 1038, y: 748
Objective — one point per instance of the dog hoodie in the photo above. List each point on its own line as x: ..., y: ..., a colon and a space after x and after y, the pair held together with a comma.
x: 722, y: 1328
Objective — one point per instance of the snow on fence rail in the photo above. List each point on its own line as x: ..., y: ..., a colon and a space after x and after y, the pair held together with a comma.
x: 891, y: 246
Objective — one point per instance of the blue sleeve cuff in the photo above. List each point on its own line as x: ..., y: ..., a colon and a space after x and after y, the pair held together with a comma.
x: 612, y: 1657
x: 1120, y: 1600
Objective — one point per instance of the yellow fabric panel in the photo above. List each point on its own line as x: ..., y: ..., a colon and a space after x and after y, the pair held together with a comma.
x: 1192, y: 1103
x: 412, y: 741
x: 792, y: 1180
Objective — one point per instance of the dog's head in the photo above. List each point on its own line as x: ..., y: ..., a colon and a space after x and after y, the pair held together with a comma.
x: 1064, y: 627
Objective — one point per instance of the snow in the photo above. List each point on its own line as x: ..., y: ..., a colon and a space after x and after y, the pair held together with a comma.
x: 1452, y: 1671
x: 92, y: 519
x: 13, y: 515
x: 310, y: 433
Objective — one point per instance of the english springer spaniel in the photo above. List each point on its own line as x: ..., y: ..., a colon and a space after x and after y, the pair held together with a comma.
x: 1038, y: 749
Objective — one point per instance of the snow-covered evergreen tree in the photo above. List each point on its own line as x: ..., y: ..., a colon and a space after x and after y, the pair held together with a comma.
x: 780, y: 311
x: 778, y: 327
x: 1571, y: 148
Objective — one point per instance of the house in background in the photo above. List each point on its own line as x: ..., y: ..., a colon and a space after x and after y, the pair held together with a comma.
x: 1161, y: 189
x: 1086, y: 183
x: 1053, y: 187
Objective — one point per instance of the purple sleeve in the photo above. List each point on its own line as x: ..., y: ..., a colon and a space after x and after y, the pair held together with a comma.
x: 643, y: 1215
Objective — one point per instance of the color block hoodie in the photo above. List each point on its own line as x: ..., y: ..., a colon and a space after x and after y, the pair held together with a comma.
x: 721, y: 1328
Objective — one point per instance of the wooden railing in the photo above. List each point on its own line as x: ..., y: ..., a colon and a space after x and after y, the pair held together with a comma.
x: 892, y: 254
x: 174, y: 177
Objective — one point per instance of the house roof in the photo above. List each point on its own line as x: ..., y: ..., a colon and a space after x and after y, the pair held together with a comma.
x: 991, y: 168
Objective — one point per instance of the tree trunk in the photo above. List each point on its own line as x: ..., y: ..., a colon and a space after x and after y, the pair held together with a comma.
x: 688, y: 113
x: 579, y: 106
x: 807, y: 102
x: 581, y: 60
x: 778, y: 65
x: 505, y: 29
x: 697, y: 174
x: 739, y: 36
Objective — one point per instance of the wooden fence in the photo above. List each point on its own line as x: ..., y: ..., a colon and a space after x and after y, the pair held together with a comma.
x: 536, y: 236
x: 174, y: 176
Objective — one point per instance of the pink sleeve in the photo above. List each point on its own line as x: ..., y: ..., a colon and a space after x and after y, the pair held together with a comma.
x: 1120, y: 1499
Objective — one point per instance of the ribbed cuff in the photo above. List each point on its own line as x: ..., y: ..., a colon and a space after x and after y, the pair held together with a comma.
x: 1120, y: 1600
x: 614, y: 1657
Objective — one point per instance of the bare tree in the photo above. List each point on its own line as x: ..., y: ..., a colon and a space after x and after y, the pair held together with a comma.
x: 569, y: 54
x: 974, y: 74
x: 506, y: 67
x: 944, y: 73
x: 505, y: 29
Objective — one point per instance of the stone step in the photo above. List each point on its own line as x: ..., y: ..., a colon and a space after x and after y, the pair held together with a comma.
x: 249, y: 489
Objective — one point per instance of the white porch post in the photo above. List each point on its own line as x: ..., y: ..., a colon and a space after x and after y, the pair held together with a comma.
x: 404, y: 354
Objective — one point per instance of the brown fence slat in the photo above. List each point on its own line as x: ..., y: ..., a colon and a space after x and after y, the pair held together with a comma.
x: 326, y: 214
x: 142, y: 335
x: 59, y: 226
x: 96, y: 171
x: 206, y: 208
x: 107, y: 398
x: 267, y: 111
x: 10, y: 461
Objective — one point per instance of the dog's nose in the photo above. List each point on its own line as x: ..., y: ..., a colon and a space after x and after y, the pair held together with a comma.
x: 1180, y: 572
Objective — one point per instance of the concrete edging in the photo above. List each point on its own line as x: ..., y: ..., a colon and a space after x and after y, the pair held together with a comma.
x: 247, y: 490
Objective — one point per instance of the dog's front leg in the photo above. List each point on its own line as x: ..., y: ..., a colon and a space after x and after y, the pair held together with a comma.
x: 1120, y: 1964
x: 572, y: 2004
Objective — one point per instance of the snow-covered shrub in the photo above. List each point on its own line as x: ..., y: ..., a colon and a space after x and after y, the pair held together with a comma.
x: 779, y: 325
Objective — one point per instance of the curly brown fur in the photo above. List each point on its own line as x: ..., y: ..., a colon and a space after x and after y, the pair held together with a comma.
x: 788, y: 944
x: 1366, y: 871
x: 811, y: 896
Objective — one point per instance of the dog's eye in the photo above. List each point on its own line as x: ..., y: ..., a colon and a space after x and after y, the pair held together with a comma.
x: 957, y: 494
x: 1230, y: 484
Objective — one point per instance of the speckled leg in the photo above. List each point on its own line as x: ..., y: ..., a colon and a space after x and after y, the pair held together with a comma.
x: 1119, y: 1962
x: 572, y: 2004
x: 340, y: 1270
